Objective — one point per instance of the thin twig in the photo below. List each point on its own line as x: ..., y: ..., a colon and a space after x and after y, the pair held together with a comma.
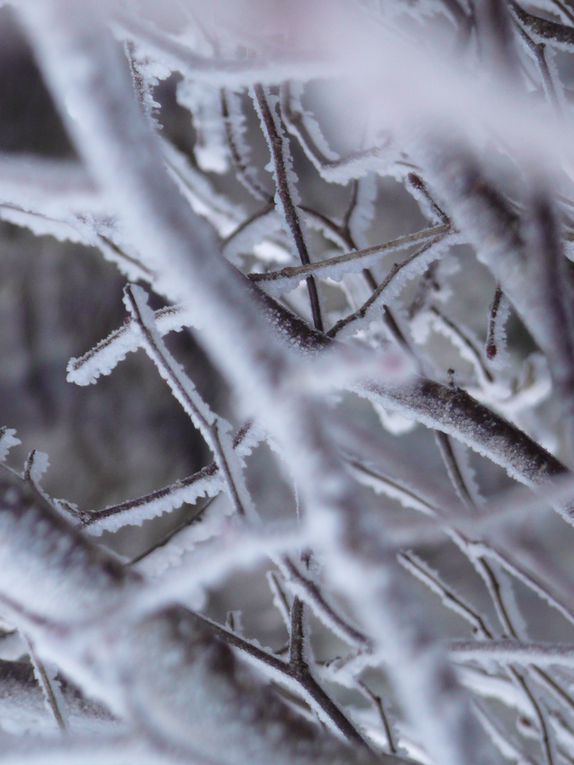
x: 281, y: 159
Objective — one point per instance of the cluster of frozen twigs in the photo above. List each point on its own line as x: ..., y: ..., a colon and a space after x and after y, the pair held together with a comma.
x: 464, y: 105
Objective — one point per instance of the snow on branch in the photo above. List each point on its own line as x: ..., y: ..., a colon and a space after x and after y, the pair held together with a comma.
x: 363, y: 213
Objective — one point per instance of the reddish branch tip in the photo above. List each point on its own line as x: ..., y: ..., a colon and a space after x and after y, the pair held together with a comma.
x: 415, y: 181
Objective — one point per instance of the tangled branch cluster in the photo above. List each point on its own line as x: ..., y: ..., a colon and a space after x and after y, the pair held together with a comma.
x: 313, y: 125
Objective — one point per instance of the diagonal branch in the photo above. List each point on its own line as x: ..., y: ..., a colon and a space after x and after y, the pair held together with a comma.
x: 286, y: 191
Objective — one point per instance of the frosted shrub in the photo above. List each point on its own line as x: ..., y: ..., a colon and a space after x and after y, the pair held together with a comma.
x: 371, y: 239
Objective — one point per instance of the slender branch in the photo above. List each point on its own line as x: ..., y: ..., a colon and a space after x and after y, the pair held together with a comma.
x: 285, y: 191
x: 437, y: 406
x: 496, y: 592
x: 398, y: 270
x: 294, y: 670
x: 51, y: 694
x: 213, y: 429
x: 308, y: 591
x: 494, y: 319
x: 240, y: 157
x: 513, y: 652
x: 383, y: 714
x: 331, y: 266
x: 468, y: 345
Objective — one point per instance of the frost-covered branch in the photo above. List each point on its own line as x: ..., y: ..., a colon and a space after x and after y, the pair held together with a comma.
x: 513, y: 652
x: 405, y: 277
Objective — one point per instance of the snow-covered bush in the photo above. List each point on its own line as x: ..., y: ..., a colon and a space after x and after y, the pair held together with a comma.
x: 363, y: 213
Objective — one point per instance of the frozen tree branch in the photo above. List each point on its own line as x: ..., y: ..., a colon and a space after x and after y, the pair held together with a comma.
x: 107, y: 142
x: 510, y: 651
x: 452, y: 115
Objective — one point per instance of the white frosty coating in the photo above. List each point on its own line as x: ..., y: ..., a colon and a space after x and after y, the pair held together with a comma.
x: 318, y: 151
x: 529, y: 579
x: 281, y: 163
x: 216, y: 71
x: 329, y: 229
x: 36, y: 465
x: 48, y: 185
x: 8, y: 440
x: 80, y: 228
x: 498, y: 336
x: 207, y: 482
x: 63, y: 231
x: 94, y: 749
x: 342, y: 367
x: 462, y: 337
x: 204, y: 103
x: 498, y: 582
x: 542, y: 33
x: 201, y: 569
x: 279, y: 598
x: 269, y: 251
x: 432, y: 87
x: 495, y: 686
x: 293, y: 99
x: 363, y: 211
x: 24, y: 712
x: 136, y: 512
x: 46, y: 676
x: 513, y: 652
x: 57, y: 200
x: 200, y: 194
x: 506, y: 744
x: 393, y: 422
x: 396, y: 282
x: 223, y: 215
x: 103, y: 358
x: 139, y: 667
x: 136, y: 302
x: 213, y: 523
x: 427, y: 205
x: 338, y: 266
x: 468, y: 430
x: 534, y: 385
x: 50, y: 572
x: 398, y: 488
x: 216, y: 431
x: 468, y: 473
x: 310, y: 595
x: 425, y: 574
x: 146, y: 76
x: 429, y: 500
x: 441, y: 744
x: 247, y: 173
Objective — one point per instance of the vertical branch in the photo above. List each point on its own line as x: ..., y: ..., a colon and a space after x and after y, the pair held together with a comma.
x: 496, y: 333
x: 216, y: 431
x: 286, y: 194
x: 233, y: 120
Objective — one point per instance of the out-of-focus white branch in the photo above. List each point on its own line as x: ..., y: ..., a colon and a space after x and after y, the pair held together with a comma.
x: 85, y: 75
